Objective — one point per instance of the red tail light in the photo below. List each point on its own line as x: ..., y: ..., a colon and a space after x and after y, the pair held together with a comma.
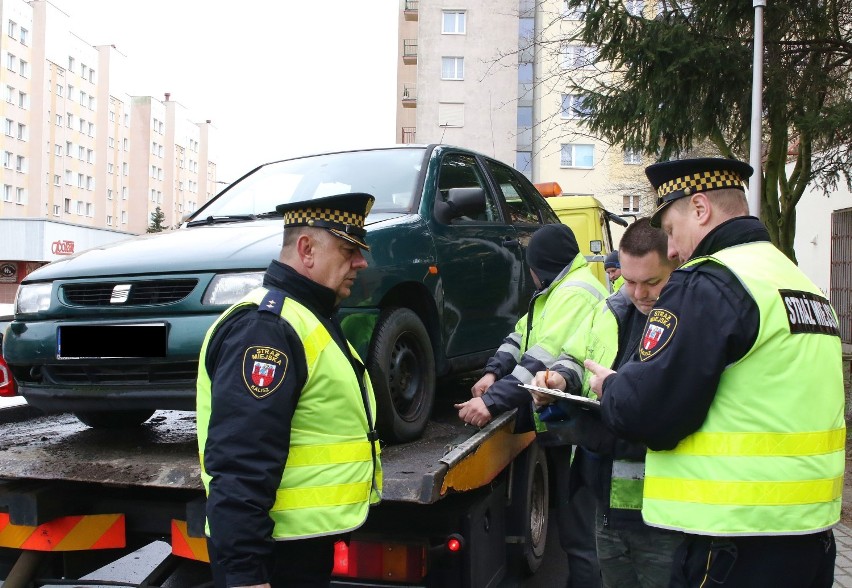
x: 7, y: 382
x: 369, y: 560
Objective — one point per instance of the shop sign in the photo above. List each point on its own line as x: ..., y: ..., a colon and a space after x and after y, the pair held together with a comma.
x: 8, y: 272
x: 62, y: 247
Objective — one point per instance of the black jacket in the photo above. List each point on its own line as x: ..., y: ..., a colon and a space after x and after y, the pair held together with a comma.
x: 666, y: 398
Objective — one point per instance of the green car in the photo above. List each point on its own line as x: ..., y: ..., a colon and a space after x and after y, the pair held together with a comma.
x: 113, y: 333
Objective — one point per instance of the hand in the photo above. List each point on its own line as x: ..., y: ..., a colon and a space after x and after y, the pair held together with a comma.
x: 482, y: 384
x: 474, y: 412
x: 549, y: 379
x: 599, y: 374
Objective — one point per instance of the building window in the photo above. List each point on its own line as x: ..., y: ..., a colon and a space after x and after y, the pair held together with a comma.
x: 69, y: 146
x: 81, y: 180
x: 58, y: 120
x: 70, y: 92
x: 57, y: 180
x: 22, y: 132
x: 9, y: 127
x: 10, y: 94
x: 577, y: 56
x: 453, y: 22
x: 12, y: 29
x: 634, y: 7
x: 109, y: 194
x: 109, y: 220
x: 124, y: 169
x: 25, y: 69
x: 11, y: 62
x: 90, y: 156
x: 578, y: 13
x: 70, y: 63
x: 630, y: 203
x: 56, y: 210
x: 83, y: 98
x: 452, y: 68
x: 573, y: 106
x: 573, y: 155
x: 23, y: 100
x: 90, y: 183
x: 68, y: 206
x: 124, y: 193
x: 80, y: 208
x: 523, y: 162
x: 111, y: 142
x: 8, y: 157
x: 91, y: 129
x: 126, y: 144
x: 632, y: 157
x: 124, y: 217
x: 7, y: 192
x: 91, y: 76
x: 58, y: 150
x: 20, y: 195
x: 89, y: 209
x: 84, y: 71
x: 21, y: 163
x: 58, y: 90
x: 81, y: 152
x: 25, y: 36
x: 68, y: 178
x: 109, y: 168
x: 111, y: 116
x: 70, y: 118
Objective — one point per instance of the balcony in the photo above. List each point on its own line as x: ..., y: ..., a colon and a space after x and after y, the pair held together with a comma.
x: 410, y: 10
x: 409, y: 95
x: 408, y: 134
x: 409, y: 51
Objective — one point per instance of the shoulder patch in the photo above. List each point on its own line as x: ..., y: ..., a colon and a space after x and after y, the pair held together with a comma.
x: 264, y: 369
x: 272, y: 302
x: 809, y: 313
x: 659, y: 329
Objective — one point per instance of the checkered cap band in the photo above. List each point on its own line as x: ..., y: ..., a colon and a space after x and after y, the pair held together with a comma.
x: 303, y: 216
x: 709, y: 180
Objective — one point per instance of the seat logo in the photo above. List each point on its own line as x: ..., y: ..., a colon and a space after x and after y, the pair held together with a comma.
x: 119, y: 294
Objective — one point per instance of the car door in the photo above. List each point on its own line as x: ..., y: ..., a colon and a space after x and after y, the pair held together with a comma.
x: 479, y: 263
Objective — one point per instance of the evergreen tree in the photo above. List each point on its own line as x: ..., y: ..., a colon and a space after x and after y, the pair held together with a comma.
x: 678, y: 76
x: 157, y: 218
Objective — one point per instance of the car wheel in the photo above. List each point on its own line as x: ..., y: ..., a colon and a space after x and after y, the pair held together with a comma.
x: 113, y: 419
x: 402, y: 370
x: 527, y: 517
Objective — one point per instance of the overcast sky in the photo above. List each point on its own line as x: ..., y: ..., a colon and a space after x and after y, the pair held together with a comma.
x: 276, y: 77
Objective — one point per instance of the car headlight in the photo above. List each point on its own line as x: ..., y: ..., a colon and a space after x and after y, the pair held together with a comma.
x: 229, y: 288
x: 33, y: 298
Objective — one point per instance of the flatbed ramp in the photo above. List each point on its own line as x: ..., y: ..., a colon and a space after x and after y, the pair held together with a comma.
x: 162, y: 453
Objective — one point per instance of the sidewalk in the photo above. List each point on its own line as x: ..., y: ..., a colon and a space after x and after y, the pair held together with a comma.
x: 843, y: 563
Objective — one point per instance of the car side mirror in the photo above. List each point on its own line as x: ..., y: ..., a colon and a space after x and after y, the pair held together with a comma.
x: 461, y: 202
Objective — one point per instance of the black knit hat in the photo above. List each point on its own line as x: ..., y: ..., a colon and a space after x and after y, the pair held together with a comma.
x: 612, y: 260
x: 551, y: 248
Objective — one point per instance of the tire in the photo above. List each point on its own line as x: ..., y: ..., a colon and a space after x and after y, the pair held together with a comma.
x: 113, y: 419
x: 527, y: 517
x: 402, y: 369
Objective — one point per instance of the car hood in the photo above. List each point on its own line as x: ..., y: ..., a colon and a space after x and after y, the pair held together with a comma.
x: 228, y: 246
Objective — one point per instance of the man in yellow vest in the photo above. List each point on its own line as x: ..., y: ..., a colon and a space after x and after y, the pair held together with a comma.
x: 737, y: 392
x: 631, y: 554
x: 559, y: 316
x: 289, y: 452
x: 612, y: 267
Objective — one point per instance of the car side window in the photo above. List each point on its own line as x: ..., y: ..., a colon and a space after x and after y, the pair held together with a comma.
x: 461, y: 171
x: 523, y: 206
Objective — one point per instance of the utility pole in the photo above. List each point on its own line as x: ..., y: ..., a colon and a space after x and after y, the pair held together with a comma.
x: 755, y: 147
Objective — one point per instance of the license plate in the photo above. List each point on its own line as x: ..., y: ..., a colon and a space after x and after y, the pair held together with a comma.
x: 111, y: 341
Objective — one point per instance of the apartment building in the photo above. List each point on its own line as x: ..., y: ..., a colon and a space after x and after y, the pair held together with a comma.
x: 492, y: 75
x: 84, y: 162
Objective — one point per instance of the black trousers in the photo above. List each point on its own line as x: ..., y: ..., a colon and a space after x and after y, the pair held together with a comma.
x: 305, y: 563
x: 790, y: 561
x: 575, y: 516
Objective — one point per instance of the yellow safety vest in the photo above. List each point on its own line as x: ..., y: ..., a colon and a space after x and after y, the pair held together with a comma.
x: 769, y: 458
x: 331, y: 477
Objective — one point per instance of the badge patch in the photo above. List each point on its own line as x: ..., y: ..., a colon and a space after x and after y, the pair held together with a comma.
x: 659, y: 329
x: 264, y: 369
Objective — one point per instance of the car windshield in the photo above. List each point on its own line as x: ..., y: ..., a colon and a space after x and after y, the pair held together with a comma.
x: 388, y: 174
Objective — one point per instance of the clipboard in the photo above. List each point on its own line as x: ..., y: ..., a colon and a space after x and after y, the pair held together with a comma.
x: 581, y: 401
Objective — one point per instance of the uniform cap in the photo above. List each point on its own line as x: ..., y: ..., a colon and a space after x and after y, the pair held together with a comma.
x: 612, y: 260
x: 343, y: 215
x: 684, y: 177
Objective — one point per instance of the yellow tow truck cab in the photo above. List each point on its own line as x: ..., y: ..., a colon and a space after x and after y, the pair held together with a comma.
x: 589, y: 220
